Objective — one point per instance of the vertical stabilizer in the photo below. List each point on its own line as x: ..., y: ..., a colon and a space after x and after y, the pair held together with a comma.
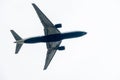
x: 19, y: 41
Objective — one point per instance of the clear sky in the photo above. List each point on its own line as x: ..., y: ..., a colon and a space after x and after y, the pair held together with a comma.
x: 95, y: 56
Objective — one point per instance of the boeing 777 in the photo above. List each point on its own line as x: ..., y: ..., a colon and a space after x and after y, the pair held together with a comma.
x: 52, y: 38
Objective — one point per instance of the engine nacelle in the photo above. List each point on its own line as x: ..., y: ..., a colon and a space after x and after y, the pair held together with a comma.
x: 61, y: 48
x: 58, y: 25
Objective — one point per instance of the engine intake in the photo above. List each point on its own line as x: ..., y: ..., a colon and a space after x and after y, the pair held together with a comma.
x: 58, y: 25
x: 61, y: 48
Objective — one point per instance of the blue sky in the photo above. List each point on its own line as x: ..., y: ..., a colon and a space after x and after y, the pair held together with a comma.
x: 95, y: 56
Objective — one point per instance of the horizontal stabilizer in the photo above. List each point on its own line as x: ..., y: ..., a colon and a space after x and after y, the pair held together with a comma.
x: 18, y: 47
x: 16, y: 36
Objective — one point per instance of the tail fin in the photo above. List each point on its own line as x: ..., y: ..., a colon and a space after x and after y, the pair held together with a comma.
x: 19, y: 41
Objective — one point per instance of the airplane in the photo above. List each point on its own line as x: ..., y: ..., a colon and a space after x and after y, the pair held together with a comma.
x: 53, y: 37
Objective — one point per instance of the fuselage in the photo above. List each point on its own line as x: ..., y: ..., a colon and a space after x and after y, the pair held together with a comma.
x: 54, y: 37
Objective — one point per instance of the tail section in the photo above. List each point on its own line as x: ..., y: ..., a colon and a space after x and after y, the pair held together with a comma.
x: 19, y: 41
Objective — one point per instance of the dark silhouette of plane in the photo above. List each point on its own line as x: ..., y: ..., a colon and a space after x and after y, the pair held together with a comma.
x: 52, y: 38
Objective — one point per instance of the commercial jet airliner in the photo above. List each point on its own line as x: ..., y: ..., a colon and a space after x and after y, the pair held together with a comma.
x: 52, y: 37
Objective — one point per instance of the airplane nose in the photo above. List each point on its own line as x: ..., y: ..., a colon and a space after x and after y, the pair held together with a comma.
x: 81, y: 33
x: 84, y: 33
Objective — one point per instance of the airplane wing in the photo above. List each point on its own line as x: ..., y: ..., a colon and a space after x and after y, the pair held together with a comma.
x: 49, y: 28
x: 51, y: 52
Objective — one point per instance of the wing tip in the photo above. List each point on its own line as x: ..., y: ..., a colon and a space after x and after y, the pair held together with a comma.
x: 11, y: 30
x: 33, y: 4
x: 16, y: 52
x: 44, y: 68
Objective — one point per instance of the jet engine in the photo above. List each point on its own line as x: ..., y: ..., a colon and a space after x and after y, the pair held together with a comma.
x: 58, y: 25
x: 61, y: 48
